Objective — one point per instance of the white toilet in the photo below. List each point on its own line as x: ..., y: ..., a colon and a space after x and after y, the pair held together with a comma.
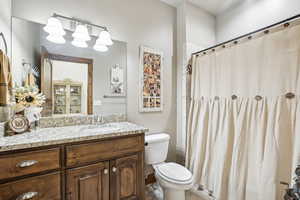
x: 174, y: 179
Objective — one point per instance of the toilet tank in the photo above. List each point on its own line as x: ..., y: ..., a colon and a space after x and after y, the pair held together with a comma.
x: 156, y: 149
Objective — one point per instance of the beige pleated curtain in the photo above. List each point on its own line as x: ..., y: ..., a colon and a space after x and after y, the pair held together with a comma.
x: 241, y: 149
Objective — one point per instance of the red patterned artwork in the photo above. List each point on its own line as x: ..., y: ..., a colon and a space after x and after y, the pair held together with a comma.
x: 151, y: 83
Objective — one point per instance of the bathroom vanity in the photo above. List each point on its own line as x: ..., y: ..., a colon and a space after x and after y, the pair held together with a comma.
x: 94, y: 162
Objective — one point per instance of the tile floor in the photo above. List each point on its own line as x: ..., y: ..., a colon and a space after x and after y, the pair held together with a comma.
x: 154, y: 192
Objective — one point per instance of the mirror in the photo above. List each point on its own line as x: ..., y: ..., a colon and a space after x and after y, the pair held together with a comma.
x: 74, y: 80
x: 67, y: 83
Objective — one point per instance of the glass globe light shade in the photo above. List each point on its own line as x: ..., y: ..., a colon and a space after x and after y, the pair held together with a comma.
x: 104, y: 38
x: 58, y: 39
x: 81, y: 33
x: 100, y: 47
x: 54, y: 27
x: 79, y: 43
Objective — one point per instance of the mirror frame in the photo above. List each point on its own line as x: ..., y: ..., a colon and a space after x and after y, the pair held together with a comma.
x: 48, y: 84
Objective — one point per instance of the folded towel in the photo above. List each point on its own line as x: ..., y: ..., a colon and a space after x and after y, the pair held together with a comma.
x: 5, y: 79
x: 30, y: 80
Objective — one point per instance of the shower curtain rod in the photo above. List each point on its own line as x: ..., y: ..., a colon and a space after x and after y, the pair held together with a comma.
x: 249, y: 34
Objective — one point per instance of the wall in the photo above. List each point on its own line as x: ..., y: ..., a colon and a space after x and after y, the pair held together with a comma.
x: 25, y: 48
x: 137, y: 22
x: 196, y: 31
x: 252, y: 15
x: 5, y: 23
x: 201, y: 32
x: 181, y: 62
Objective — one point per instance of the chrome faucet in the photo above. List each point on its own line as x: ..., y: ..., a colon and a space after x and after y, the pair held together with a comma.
x: 98, y: 120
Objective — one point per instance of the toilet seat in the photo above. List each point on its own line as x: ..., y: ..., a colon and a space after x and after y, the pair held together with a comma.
x: 174, y: 173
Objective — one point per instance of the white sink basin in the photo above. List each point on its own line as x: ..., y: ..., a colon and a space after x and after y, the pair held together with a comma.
x: 100, y: 128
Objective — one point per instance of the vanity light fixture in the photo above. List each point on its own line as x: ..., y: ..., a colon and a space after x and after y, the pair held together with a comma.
x: 104, y: 38
x: 79, y: 43
x: 100, y: 47
x: 81, y: 34
x: 58, y: 39
x: 55, y: 30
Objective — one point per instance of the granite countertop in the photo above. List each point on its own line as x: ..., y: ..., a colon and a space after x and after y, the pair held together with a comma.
x: 67, y: 134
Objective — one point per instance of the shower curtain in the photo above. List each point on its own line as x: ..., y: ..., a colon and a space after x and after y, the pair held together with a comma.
x: 243, y: 133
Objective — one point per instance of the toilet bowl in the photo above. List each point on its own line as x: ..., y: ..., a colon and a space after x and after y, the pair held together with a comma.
x: 174, y: 179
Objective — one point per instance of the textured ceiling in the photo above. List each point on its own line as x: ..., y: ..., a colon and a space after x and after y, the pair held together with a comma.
x: 215, y: 7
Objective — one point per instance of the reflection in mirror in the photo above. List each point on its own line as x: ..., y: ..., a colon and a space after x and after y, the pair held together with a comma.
x: 69, y: 89
x: 67, y: 83
x: 74, y: 80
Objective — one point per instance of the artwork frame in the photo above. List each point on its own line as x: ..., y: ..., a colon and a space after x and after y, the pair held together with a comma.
x: 117, y: 85
x: 151, y: 81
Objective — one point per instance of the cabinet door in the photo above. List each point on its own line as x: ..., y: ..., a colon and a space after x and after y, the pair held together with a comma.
x: 127, y: 178
x: 88, y: 183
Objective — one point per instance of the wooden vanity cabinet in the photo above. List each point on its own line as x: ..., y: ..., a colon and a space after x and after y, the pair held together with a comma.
x: 89, y: 182
x: 118, y: 179
x: 109, y: 169
x: 125, y: 178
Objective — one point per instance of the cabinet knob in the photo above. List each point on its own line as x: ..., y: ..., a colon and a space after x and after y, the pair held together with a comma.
x: 105, y: 171
x: 27, y: 163
x: 114, y: 169
x: 27, y: 196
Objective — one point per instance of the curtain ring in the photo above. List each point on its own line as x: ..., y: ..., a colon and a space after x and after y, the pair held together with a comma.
x: 217, y: 98
x: 258, y: 98
x: 234, y: 97
x: 250, y: 37
x: 189, y: 69
x: 266, y: 31
x: 290, y: 95
x: 286, y: 25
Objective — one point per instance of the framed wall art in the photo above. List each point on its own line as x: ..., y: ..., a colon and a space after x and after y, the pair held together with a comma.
x: 151, y: 84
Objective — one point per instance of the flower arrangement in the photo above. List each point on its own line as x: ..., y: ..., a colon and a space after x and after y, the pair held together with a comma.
x: 27, y: 97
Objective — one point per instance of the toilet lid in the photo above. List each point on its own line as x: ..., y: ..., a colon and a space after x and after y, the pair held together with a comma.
x: 175, y: 172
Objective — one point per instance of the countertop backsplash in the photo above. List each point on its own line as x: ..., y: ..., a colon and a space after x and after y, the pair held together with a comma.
x: 76, y: 120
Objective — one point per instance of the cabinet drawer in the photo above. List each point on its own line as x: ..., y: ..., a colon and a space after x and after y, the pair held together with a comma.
x: 45, y: 187
x: 20, y: 164
x: 91, y: 152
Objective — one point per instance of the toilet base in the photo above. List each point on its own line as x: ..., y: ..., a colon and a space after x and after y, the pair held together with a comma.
x: 173, y: 194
